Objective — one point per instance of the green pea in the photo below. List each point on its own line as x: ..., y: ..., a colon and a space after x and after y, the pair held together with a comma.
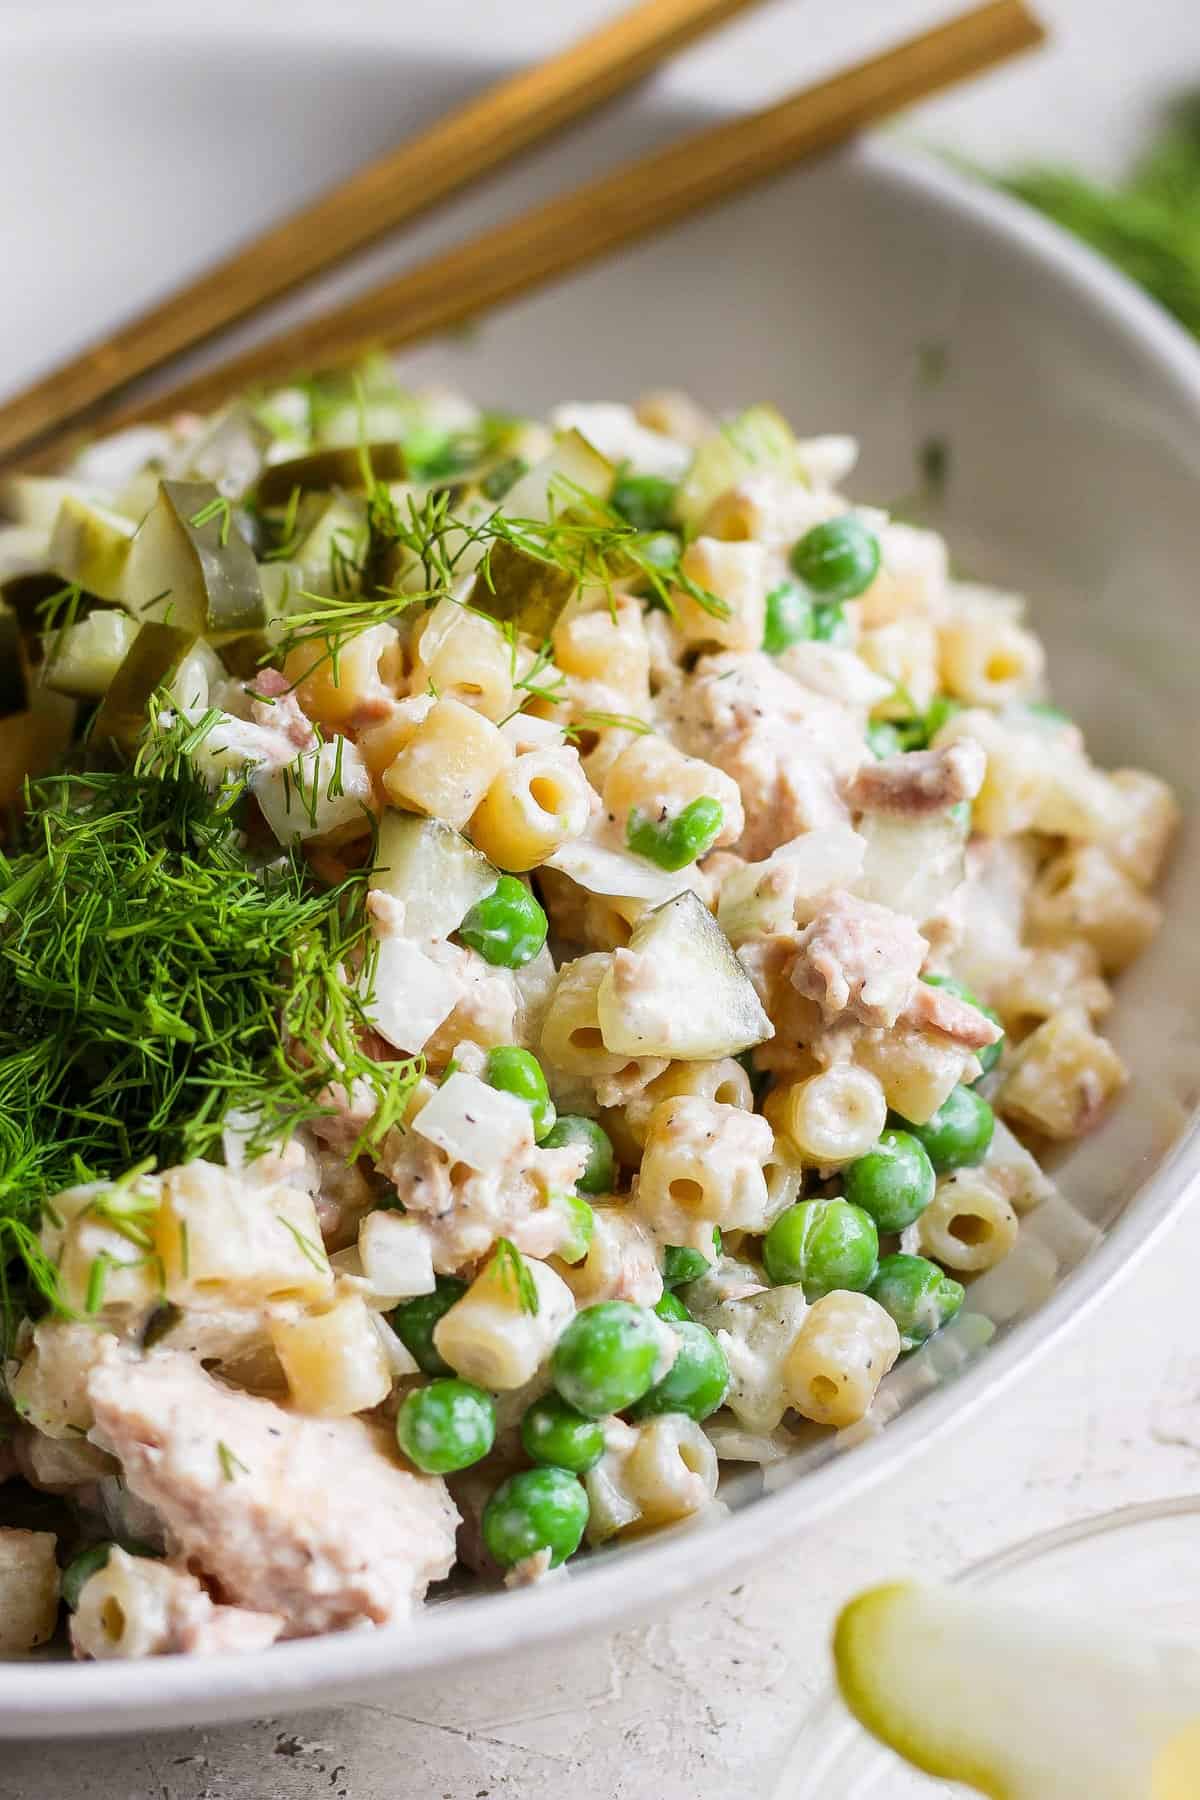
x: 581, y: 1227
x: 822, y: 1245
x: 838, y: 559
x: 941, y: 708
x: 681, y: 1264
x: 644, y: 501
x: 599, y: 1172
x: 507, y: 926
x: 553, y: 1432
x: 80, y: 1569
x: 670, y: 1307
x: 413, y: 1322
x: 539, y: 1509
x: 674, y: 842
x: 697, y: 1381
x: 607, y: 1357
x: 894, y: 1182
x: 789, y: 617
x: 989, y: 1056
x: 883, y: 739
x: 958, y: 1134
x: 445, y: 1426
x: 517, y: 1071
x: 830, y: 625
x: 919, y: 1296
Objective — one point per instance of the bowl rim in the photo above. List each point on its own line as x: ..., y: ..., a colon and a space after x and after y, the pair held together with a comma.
x: 65, y: 1699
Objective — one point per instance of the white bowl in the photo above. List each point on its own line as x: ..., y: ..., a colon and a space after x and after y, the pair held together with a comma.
x: 1072, y: 410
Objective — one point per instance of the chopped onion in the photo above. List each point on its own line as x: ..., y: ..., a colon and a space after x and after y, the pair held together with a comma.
x: 476, y: 1124
x: 412, y: 995
x: 396, y: 1254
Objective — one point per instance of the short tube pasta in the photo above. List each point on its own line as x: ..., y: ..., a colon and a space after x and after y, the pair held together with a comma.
x: 466, y: 660
x: 835, y: 1116
x: 969, y: 1225
x: 333, y: 1360
x: 988, y: 660
x: 28, y: 1590
x: 532, y: 808
x: 672, y: 1469
x: 448, y: 764
x: 702, y: 1166
x: 844, y: 1348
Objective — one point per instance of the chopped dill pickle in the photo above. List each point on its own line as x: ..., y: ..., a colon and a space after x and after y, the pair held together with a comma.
x: 90, y: 545
x: 153, y: 659
x: 339, y: 466
x: 189, y: 566
x: 516, y: 588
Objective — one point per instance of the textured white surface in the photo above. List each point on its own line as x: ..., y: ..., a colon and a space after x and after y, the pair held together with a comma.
x: 704, y: 1705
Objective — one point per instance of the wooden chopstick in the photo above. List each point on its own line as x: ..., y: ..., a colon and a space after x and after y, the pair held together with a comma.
x: 465, y: 145
x: 633, y: 202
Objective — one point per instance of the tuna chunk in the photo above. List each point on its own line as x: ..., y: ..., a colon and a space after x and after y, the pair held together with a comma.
x: 859, y: 959
x: 919, y: 781
x: 937, y: 1009
x: 785, y: 746
x: 313, y: 1519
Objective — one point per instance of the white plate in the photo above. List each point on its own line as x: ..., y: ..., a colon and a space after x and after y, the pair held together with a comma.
x: 1071, y: 408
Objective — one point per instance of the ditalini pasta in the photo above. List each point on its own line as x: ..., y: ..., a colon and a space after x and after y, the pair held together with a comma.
x: 534, y: 957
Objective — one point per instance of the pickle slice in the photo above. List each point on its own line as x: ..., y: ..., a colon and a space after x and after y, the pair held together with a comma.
x: 340, y: 466
x: 516, y: 588
x: 190, y: 566
x: 152, y: 661
x: 90, y: 545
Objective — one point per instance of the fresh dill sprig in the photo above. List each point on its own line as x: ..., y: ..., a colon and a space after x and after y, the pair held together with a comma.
x: 216, y: 508
x: 432, y: 550
x: 1148, y: 224
x: 515, y: 1273
x: 154, y: 978
x: 231, y: 1466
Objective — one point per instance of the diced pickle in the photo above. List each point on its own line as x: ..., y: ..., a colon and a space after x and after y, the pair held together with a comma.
x: 518, y: 589
x: 548, y: 487
x: 758, y: 440
x: 34, y: 500
x: 82, y: 658
x: 432, y: 870
x: 339, y: 466
x: 190, y: 567
x: 90, y: 545
x: 230, y: 450
x: 153, y: 660
x: 680, y: 991
x: 333, y: 544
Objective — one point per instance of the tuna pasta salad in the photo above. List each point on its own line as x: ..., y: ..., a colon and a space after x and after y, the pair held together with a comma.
x: 535, y: 959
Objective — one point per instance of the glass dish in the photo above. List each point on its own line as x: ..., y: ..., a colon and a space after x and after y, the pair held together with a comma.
x: 1138, y: 1557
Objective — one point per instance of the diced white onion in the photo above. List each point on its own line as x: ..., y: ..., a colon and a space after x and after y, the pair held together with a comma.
x: 412, y: 995
x: 476, y: 1124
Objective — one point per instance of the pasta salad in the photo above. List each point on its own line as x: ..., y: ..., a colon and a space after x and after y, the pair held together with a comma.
x: 535, y: 959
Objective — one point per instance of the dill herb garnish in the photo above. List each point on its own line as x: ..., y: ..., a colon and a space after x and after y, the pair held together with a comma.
x: 152, y: 979
x: 231, y: 1465
x: 513, y: 1268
